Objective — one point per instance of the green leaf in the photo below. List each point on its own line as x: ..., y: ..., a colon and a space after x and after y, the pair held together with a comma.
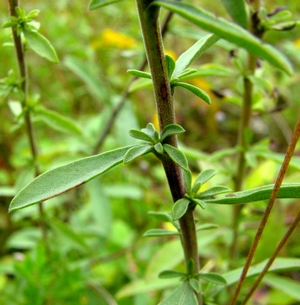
x: 207, y: 226
x: 94, y: 4
x: 160, y: 233
x: 140, y: 135
x: 183, y: 295
x: 41, y: 45
x: 205, y: 175
x: 171, y: 129
x: 210, y: 70
x: 136, y: 151
x: 167, y: 274
x: 195, y: 285
x: 196, y: 187
x: 159, y: 148
x: 150, y: 130
x: 177, y: 156
x: 197, y: 91
x: 179, y: 208
x: 237, y: 10
x: 289, y: 190
x: 229, y: 31
x: 163, y: 216
x: 57, y: 121
x: 194, y: 52
x: 170, y: 65
x: 212, y: 277
x: 199, y: 202
x: 138, y: 73
x: 187, y: 179
x: 215, y: 190
x: 66, y: 177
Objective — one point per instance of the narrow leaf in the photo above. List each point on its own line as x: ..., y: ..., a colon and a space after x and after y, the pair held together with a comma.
x: 41, y: 45
x: 237, y: 10
x: 194, y: 52
x: 289, y: 190
x: 160, y: 233
x: 229, y: 31
x: 177, y: 156
x: 179, y: 208
x: 215, y: 190
x: 170, y: 65
x: 171, y: 129
x: 212, y: 277
x: 159, y: 148
x: 57, y: 121
x: 207, y: 226
x: 136, y: 151
x: 163, y: 216
x: 94, y: 4
x: 195, y: 285
x: 66, y: 177
x: 187, y: 179
x: 199, y: 202
x: 140, y: 135
x: 205, y: 175
x: 197, y: 91
x: 138, y: 73
x: 196, y: 187
x: 183, y: 295
x: 166, y: 274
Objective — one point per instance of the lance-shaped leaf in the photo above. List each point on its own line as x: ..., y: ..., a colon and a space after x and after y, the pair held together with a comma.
x: 177, y: 156
x: 212, y: 277
x: 66, y: 177
x: 197, y: 91
x: 215, y: 190
x: 229, y: 31
x: 290, y: 190
x: 140, y: 135
x: 179, y: 208
x: 194, y: 52
x: 160, y: 233
x: 136, y: 151
x: 205, y: 175
x: 237, y: 10
x: 94, y: 4
x: 170, y: 65
x: 138, y: 73
x: 167, y: 274
x: 171, y: 129
x: 183, y: 295
x: 40, y: 45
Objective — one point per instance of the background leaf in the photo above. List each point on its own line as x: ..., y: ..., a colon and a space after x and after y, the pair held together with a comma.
x: 237, y: 10
x: 94, y: 4
x: 197, y: 91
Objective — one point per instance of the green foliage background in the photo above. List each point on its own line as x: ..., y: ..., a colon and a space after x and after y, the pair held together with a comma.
x: 97, y: 248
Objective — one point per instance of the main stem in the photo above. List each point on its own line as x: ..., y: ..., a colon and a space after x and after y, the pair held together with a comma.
x: 151, y: 32
x: 28, y: 121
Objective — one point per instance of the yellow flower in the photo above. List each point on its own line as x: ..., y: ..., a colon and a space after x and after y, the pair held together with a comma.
x: 110, y: 38
x: 171, y: 54
x: 297, y: 43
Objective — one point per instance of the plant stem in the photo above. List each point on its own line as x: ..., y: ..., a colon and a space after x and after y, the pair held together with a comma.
x: 269, y: 207
x: 23, y: 72
x: 149, y: 23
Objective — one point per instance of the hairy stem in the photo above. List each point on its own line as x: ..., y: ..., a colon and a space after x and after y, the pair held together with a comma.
x: 28, y: 120
x: 164, y: 104
x: 269, y: 207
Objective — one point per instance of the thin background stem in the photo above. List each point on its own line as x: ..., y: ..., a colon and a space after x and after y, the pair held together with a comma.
x: 269, y: 207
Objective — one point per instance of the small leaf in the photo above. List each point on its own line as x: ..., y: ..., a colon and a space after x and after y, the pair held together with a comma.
x: 190, y: 267
x: 183, y: 295
x: 159, y: 148
x: 205, y: 175
x: 187, y: 179
x: 195, y: 285
x: 237, y: 10
x: 166, y: 274
x: 41, y: 45
x: 199, y: 202
x: 170, y: 65
x: 150, y: 130
x: 177, y: 156
x: 179, y: 208
x: 66, y: 177
x: 207, y: 226
x: 229, y: 31
x: 194, y: 52
x: 138, y: 73
x: 160, y: 233
x: 197, y: 91
x: 136, y: 151
x: 212, y: 277
x: 140, y: 135
x: 171, y: 129
x: 287, y: 190
x: 196, y: 187
x: 94, y: 4
x: 57, y: 121
x: 215, y: 190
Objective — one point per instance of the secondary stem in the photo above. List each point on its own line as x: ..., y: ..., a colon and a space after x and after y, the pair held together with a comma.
x: 164, y: 103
